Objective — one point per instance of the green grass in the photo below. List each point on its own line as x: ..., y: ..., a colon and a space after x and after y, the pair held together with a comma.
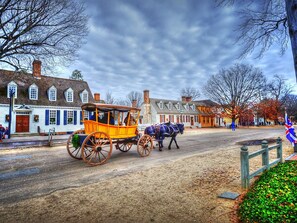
x: 273, y: 198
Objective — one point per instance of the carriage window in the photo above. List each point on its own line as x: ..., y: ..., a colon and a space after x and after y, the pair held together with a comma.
x: 86, y: 115
x: 53, y: 117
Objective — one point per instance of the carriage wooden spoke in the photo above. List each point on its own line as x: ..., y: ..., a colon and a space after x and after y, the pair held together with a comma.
x: 96, y: 148
x: 73, y: 145
x: 124, y: 147
x: 144, y: 145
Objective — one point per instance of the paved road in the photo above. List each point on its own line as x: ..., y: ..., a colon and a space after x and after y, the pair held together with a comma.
x: 38, y: 171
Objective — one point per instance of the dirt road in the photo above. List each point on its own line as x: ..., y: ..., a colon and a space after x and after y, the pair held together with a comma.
x: 169, y: 186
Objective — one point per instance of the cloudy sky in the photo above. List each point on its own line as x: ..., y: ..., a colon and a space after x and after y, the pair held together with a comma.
x: 163, y: 46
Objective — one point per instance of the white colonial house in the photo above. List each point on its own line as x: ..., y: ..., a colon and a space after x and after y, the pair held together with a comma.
x: 190, y: 113
x: 42, y: 102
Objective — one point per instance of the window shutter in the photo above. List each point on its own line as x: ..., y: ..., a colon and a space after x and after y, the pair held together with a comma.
x: 58, y: 117
x: 46, y: 117
x: 80, y: 117
x: 65, y: 117
x: 75, y: 117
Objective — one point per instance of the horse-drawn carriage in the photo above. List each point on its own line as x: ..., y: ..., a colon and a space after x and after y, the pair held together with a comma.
x: 106, y: 126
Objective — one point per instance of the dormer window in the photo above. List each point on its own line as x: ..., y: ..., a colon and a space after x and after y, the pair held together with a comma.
x: 84, y: 96
x: 169, y: 105
x: 161, y: 105
x: 187, y: 107
x: 52, y: 94
x: 12, y: 87
x: 33, y: 92
x: 69, y: 95
x: 193, y: 107
x: 177, y: 106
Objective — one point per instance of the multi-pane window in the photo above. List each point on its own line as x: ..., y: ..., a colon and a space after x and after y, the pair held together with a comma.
x: 162, y: 118
x: 53, y: 117
x: 52, y: 94
x: 85, y: 97
x: 188, y: 118
x: 161, y: 105
x: 69, y: 96
x: 70, y: 117
x: 170, y: 106
x: 171, y: 118
x: 33, y: 92
x: 178, y: 106
x: 12, y: 87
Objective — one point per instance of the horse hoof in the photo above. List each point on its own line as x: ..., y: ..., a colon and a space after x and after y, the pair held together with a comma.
x: 177, y: 147
x: 169, y: 148
x: 160, y: 149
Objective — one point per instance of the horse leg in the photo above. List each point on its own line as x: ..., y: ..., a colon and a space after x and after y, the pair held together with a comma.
x: 175, y: 142
x: 160, y: 141
x: 169, y: 147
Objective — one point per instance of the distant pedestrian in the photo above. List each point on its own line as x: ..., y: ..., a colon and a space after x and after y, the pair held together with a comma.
x: 233, y: 126
x: 2, y: 132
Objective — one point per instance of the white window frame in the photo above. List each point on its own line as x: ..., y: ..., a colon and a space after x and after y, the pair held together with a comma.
x: 70, y: 115
x: 187, y: 107
x: 84, y: 96
x: 69, y: 95
x: 193, y: 107
x: 52, y: 117
x: 170, y: 105
x: 14, y: 86
x: 33, y: 88
x: 161, y: 105
x: 52, y: 94
x: 178, y: 106
x: 86, y: 115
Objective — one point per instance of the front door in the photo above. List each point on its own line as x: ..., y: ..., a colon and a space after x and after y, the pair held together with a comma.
x: 192, y: 120
x: 22, y: 123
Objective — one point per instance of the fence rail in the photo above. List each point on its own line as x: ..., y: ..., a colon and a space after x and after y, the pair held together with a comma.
x: 245, y: 157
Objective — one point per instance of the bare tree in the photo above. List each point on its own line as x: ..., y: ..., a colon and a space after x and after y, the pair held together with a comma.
x: 190, y: 92
x: 134, y: 95
x: 235, y: 88
x: 265, y: 23
x: 291, y: 105
x: 48, y: 30
x: 76, y: 75
x: 109, y: 98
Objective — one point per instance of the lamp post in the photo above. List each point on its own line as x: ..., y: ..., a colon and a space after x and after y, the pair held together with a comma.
x: 11, y: 96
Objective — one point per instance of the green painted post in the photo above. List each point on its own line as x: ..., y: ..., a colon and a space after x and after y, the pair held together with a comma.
x: 244, y: 161
x: 279, y: 149
x: 265, y: 154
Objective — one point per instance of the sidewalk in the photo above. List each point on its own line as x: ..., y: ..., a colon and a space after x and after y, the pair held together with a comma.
x: 31, y: 141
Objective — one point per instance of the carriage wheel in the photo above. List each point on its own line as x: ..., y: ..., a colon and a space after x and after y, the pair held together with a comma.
x: 74, y: 152
x: 96, y: 148
x: 124, y: 147
x: 144, y: 145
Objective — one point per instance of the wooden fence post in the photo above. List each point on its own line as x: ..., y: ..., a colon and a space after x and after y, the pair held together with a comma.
x: 244, y: 157
x: 265, y: 154
x: 279, y: 149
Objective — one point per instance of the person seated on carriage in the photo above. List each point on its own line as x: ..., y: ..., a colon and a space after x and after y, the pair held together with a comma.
x: 111, y: 119
x: 132, y: 120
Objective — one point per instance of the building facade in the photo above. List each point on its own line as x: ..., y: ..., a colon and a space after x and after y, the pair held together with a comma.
x: 190, y: 113
x: 41, y: 103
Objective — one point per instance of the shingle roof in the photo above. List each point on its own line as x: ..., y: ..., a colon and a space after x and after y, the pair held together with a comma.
x: 154, y: 102
x: 25, y: 80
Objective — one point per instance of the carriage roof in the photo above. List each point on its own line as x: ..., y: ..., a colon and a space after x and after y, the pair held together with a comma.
x: 107, y: 107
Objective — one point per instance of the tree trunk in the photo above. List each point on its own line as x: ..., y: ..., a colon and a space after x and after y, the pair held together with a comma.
x: 291, y: 9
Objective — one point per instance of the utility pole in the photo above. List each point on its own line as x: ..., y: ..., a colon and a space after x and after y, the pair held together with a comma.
x: 11, y: 104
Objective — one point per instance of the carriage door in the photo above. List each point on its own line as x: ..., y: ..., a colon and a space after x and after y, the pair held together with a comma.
x: 22, y: 123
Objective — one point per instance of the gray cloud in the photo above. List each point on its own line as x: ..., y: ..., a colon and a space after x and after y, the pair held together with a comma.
x: 162, y: 46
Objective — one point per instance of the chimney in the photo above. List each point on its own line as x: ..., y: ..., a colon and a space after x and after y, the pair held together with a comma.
x: 97, y: 97
x: 37, y: 69
x: 146, y: 96
x: 134, y: 103
x: 188, y: 99
x: 183, y: 98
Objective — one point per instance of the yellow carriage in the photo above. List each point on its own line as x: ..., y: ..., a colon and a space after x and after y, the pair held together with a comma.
x: 106, y: 125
